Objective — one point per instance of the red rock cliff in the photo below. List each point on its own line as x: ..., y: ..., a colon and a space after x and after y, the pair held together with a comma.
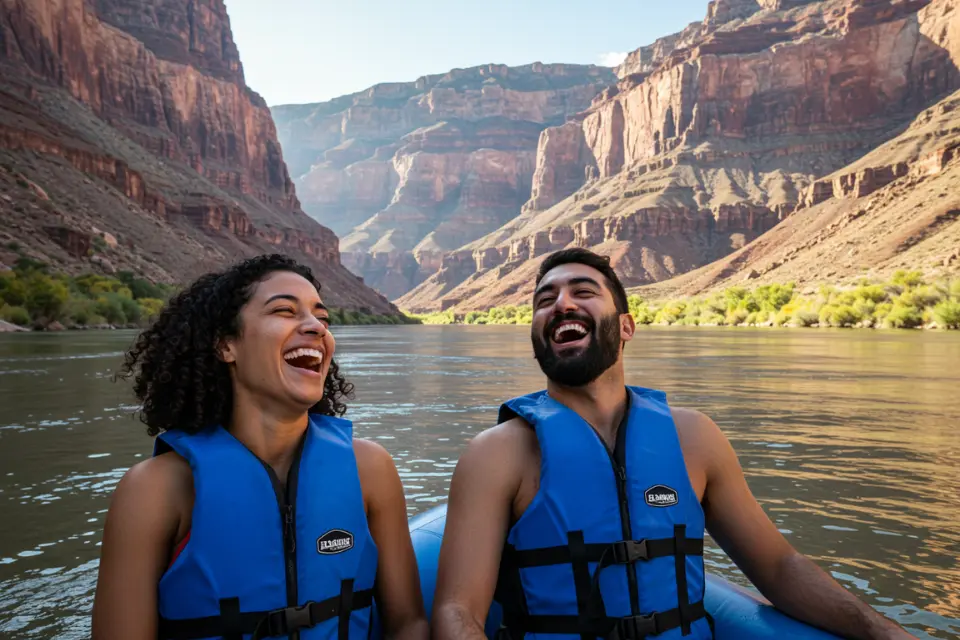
x: 405, y: 172
x: 713, y: 136
x: 148, y: 97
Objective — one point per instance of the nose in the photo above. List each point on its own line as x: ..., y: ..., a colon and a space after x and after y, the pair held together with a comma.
x: 565, y: 302
x: 313, y: 326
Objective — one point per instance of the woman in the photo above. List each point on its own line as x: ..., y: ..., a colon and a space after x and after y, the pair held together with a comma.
x: 258, y: 515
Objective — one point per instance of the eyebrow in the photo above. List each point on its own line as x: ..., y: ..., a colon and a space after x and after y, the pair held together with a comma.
x: 292, y: 298
x: 572, y: 282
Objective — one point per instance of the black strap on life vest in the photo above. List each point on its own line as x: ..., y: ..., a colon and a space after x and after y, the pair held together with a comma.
x: 627, y: 628
x: 591, y: 620
x: 231, y: 624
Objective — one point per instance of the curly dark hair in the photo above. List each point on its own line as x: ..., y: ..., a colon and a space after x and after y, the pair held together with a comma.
x: 180, y: 381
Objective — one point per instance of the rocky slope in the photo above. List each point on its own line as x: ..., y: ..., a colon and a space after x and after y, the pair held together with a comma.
x: 129, y: 140
x: 713, y: 137
x: 406, y: 172
x: 896, y: 208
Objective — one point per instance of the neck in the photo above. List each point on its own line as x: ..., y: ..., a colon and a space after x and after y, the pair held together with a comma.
x: 601, y: 403
x: 271, y: 434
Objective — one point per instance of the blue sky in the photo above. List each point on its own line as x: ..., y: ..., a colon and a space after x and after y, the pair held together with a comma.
x: 297, y: 51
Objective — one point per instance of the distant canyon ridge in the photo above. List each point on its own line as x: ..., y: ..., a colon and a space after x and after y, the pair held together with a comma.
x: 774, y: 140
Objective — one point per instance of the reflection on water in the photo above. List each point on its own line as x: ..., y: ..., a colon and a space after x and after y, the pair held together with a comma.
x: 849, y: 439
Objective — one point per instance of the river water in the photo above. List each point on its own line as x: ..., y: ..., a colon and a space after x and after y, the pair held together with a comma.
x: 849, y: 439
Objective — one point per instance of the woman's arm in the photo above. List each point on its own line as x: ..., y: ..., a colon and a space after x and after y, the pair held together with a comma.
x: 141, y: 528
x: 398, y: 581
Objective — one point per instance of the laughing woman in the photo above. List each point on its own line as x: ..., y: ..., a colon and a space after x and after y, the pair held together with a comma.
x: 259, y: 515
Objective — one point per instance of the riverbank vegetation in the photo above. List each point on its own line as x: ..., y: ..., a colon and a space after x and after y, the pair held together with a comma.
x: 907, y: 301
x: 33, y: 295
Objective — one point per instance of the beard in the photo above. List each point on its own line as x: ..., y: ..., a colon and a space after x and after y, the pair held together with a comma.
x: 585, y: 365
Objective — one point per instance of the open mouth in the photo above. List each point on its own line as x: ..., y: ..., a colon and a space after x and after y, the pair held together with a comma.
x: 569, y: 332
x: 307, y: 359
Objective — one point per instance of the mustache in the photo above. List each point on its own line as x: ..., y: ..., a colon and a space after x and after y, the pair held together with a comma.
x: 567, y: 317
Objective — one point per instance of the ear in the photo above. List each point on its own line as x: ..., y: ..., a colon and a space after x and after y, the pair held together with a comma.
x: 226, y: 350
x: 627, y: 327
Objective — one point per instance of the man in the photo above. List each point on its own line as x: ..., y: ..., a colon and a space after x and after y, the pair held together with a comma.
x: 583, y: 512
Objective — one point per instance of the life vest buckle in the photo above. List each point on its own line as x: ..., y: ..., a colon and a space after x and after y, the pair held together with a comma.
x: 283, y: 621
x: 629, y: 551
x: 635, y: 628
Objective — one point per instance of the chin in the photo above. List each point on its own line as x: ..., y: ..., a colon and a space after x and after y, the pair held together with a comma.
x: 303, y: 398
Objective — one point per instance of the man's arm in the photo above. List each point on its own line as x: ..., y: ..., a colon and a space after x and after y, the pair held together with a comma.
x: 482, y: 490
x: 792, y: 582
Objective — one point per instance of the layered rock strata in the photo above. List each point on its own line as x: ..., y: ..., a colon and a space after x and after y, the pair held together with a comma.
x: 713, y: 137
x: 406, y: 172
x: 147, y: 99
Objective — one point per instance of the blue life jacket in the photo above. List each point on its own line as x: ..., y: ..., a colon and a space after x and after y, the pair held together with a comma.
x: 264, y: 562
x: 612, y: 544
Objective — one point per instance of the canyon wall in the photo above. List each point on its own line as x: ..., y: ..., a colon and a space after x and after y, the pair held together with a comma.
x: 146, y: 99
x: 405, y: 172
x: 711, y: 138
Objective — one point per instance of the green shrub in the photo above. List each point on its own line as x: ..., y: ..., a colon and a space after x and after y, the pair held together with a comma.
x: 733, y: 296
x: 871, y: 293
x: 737, y: 317
x: 713, y: 319
x: 773, y: 297
x: 109, y: 307
x: 804, y: 318
x: 131, y: 310
x: 864, y: 308
x: 25, y: 265
x: 150, y: 308
x: 643, y: 315
x: 838, y: 316
x: 16, y: 315
x: 947, y: 314
x: 46, y: 297
x: 81, y: 310
x: 13, y: 291
x: 671, y: 312
x: 903, y: 317
x: 927, y: 296
x: 907, y: 279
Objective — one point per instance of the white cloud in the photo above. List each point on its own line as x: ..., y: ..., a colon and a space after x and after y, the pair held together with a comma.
x: 612, y: 58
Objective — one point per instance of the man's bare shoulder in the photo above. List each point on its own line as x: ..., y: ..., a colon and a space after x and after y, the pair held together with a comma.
x: 704, y: 445
x: 508, y: 446
x: 504, y: 438
x: 691, y: 422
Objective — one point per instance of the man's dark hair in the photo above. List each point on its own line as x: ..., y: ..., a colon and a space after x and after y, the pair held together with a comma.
x: 181, y: 382
x: 578, y: 255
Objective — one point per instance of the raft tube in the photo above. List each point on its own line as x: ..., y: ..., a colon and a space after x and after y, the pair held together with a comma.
x: 738, y: 614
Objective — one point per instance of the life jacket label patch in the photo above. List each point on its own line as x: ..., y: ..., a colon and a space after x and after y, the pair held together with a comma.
x: 661, y: 495
x: 334, y: 541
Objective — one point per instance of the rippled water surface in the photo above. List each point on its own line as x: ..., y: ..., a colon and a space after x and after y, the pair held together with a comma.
x: 849, y: 439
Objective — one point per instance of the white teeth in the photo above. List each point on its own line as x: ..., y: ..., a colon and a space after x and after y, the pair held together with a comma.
x: 568, y: 327
x: 299, y: 353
